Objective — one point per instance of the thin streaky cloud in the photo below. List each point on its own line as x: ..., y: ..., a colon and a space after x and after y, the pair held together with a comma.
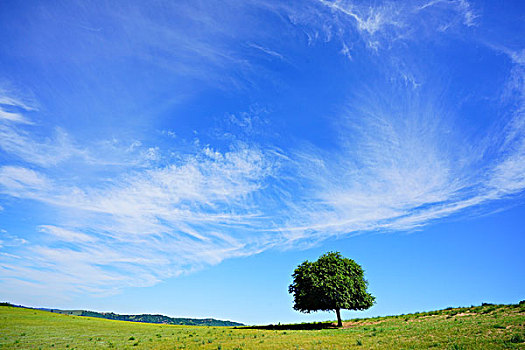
x: 374, y: 21
x: 463, y: 7
x: 45, y: 152
x: 147, y: 211
x: 65, y: 234
x: 18, y: 108
x: 267, y: 51
x: 13, y: 117
x: 386, y: 24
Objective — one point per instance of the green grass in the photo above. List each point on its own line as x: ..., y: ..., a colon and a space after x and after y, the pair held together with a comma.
x: 481, y: 327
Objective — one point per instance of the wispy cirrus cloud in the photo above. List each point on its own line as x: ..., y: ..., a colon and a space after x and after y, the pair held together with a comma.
x: 396, y: 169
x: 12, y: 110
x: 368, y: 20
x: 267, y: 51
x: 146, y: 226
x: 19, y: 181
x: 462, y: 7
x: 404, y: 162
x: 18, y: 140
x: 401, y: 168
x: 21, y: 139
x: 400, y: 161
x: 44, y: 152
x: 65, y: 235
x: 384, y: 24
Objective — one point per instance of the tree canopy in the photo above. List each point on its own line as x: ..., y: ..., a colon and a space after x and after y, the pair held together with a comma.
x: 330, y: 283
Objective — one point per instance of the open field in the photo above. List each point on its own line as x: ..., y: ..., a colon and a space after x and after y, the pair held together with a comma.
x: 482, y: 327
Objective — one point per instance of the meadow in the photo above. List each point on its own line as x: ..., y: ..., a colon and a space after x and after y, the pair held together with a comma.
x: 477, y: 327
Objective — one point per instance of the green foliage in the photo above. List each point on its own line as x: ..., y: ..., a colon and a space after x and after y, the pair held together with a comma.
x: 330, y: 283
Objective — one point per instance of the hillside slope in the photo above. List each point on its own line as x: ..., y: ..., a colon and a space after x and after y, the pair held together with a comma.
x: 483, y: 327
x: 145, y: 318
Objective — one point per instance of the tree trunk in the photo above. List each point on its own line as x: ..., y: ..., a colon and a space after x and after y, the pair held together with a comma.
x: 339, y: 322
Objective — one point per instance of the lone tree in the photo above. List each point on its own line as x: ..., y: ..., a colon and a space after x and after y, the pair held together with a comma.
x: 330, y: 283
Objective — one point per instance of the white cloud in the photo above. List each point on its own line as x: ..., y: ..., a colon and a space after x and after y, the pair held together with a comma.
x: 21, y: 141
x: 508, y: 176
x: 149, y: 225
x: 17, y: 105
x: 374, y: 18
x: 394, y: 173
x: 463, y: 8
x: 404, y: 163
x: 12, y: 101
x: 9, y: 240
x: 382, y: 24
x: 397, y: 168
x: 13, y: 117
x: 65, y: 235
x: 267, y: 51
x: 399, y: 163
x: 19, y: 181
x: 46, y: 152
x: 346, y: 51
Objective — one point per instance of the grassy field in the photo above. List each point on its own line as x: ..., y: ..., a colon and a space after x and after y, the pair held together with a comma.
x: 481, y: 327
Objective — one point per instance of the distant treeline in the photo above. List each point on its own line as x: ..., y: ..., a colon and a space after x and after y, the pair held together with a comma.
x: 145, y: 318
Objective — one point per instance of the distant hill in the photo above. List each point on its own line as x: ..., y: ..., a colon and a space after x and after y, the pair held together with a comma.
x: 148, y: 318
x: 145, y: 318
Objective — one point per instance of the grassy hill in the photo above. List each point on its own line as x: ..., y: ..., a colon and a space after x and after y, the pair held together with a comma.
x: 482, y: 327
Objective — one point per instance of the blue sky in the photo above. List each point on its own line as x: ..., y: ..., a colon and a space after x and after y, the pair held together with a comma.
x: 182, y: 157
